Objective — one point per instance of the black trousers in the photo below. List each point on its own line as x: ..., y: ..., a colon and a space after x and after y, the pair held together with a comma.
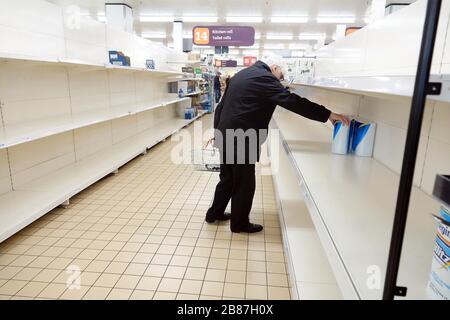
x: 237, y: 182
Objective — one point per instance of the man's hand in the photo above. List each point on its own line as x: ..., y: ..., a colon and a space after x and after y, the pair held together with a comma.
x: 339, y: 117
x: 209, y: 142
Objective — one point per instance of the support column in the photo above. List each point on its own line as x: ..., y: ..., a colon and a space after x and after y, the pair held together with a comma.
x: 119, y: 16
x: 177, y: 36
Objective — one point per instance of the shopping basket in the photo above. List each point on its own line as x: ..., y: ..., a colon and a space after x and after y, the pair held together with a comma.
x: 206, y: 159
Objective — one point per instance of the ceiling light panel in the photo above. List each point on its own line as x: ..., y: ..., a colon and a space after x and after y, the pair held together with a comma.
x: 289, y: 19
x: 330, y: 19
x: 200, y: 19
x: 156, y: 18
x: 244, y: 19
x: 278, y: 36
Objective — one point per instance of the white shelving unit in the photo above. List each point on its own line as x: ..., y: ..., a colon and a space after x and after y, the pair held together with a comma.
x: 48, y: 192
x: 351, y: 201
x: 68, y: 116
x: 27, y: 132
x: 377, y: 86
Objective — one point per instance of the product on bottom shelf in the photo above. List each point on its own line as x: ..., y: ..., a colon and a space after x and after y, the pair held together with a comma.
x: 341, y: 137
x: 357, y: 138
x: 118, y: 58
x: 190, y: 113
x: 439, y: 284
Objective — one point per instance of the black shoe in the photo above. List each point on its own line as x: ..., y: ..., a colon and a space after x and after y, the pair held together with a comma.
x: 250, y: 228
x: 212, y: 218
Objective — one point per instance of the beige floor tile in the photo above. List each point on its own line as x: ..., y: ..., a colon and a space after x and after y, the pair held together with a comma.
x: 98, y: 266
x: 155, y: 270
x: 234, y: 290
x: 181, y: 261
x: 185, y: 296
x: 191, y: 286
x: 212, y: 288
x: 198, y: 262
x: 97, y: 293
x: 47, y: 275
x: 127, y: 282
x: 275, y: 256
x: 169, y: 285
x: 277, y: 293
x: 237, y: 265
x: 276, y: 267
x: 75, y: 294
x: 215, y: 275
x: 22, y: 261
x: 256, y: 266
x: 119, y: 294
x: 116, y: 267
x: 32, y: 289
x: 184, y: 250
x: 220, y: 253
x: 207, y: 297
x: 148, y: 283
x: 27, y: 274
x: 141, y: 257
x: 53, y: 291
x: 234, y: 276
x: 124, y: 256
x: 255, y: 292
x: 175, y: 272
x: 161, y: 259
x: 11, y: 287
x: 195, y: 273
x: 142, y: 295
x: 257, y: 278
x: 164, y: 296
x: 256, y: 255
x: 237, y: 254
x: 107, y: 280
x: 136, y: 269
x: 277, y: 279
x: 89, y: 254
x: 218, y: 263
x: 202, y: 252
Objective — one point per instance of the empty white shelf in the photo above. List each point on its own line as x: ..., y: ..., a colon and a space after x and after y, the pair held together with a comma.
x: 308, y: 265
x: 24, y: 205
x: 399, y: 86
x: 75, y: 63
x: 193, y: 93
x: 26, y: 132
x: 351, y: 201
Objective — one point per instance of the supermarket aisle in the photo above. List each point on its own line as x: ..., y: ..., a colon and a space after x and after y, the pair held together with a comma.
x: 141, y: 235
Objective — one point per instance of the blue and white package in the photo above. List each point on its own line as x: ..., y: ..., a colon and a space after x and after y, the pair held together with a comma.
x: 341, y: 138
x: 363, y: 138
x: 439, y: 284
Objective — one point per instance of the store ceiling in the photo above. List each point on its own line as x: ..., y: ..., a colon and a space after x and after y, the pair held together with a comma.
x: 265, y: 9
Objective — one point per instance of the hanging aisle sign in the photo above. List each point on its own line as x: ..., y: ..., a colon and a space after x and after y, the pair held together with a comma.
x: 223, y: 36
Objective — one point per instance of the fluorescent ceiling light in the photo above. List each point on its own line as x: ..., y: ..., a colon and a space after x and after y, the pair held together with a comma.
x: 289, y: 19
x: 257, y: 36
x: 278, y: 36
x: 328, y: 19
x: 235, y: 52
x: 156, y: 19
x: 152, y: 35
x: 311, y: 36
x: 200, y: 19
x: 245, y: 19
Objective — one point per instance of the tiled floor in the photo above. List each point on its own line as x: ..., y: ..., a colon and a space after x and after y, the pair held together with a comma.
x: 141, y: 234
